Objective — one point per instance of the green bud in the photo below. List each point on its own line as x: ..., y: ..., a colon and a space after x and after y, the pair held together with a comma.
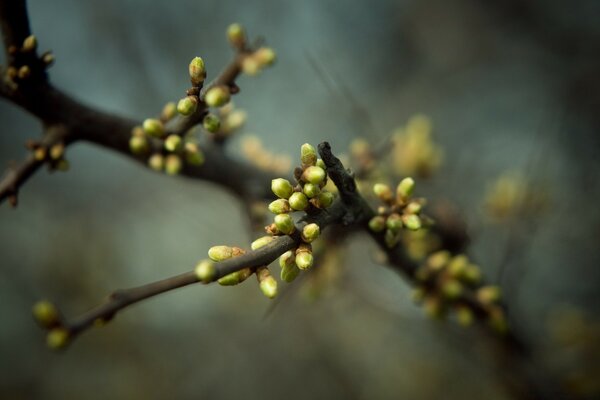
x: 377, y: 223
x: 24, y: 72
x: 217, y: 96
x: 236, y: 35
x: 268, y: 284
x: 197, y: 71
x: 250, y: 65
x: 29, y: 44
x: 298, y: 201
x: 235, y: 277
x: 464, y: 315
x: 452, y: 289
x: 383, y: 192
x: 173, y: 143
x: 138, y: 145
x: 193, y: 154
x: 169, y: 111
x: 57, y: 338
x: 260, y: 242
x: 153, y: 127
x: 279, y: 206
x: 286, y: 259
x: 321, y: 164
x: 187, y: 105
x: 391, y: 238
x: 324, y: 199
x: 488, y: 294
x: 308, y: 155
x: 46, y: 314
x: 289, y: 272
x: 413, y: 207
x: 458, y: 265
x: 304, y: 257
x: 438, y: 260
x: 394, y: 222
x: 265, y: 56
x: 282, y: 188
x: 310, y: 232
x: 472, y: 273
x: 220, y: 253
x: 47, y: 58
x: 311, y: 190
x: 156, y: 162
x: 405, y: 188
x: 211, y: 123
x: 205, y: 271
x: 314, y: 175
x: 173, y: 164
x: 284, y: 223
x: 412, y: 222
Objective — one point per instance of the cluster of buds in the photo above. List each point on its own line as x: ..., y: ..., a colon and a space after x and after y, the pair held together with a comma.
x: 206, y: 270
x: 53, y: 155
x: 414, y: 151
x: 26, y: 66
x: 401, y: 211
x: 252, y: 61
x: 255, y: 152
x: 307, y: 195
x: 445, y: 280
x: 49, y: 318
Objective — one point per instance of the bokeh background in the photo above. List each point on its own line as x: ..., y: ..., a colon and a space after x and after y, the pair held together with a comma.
x: 509, y: 85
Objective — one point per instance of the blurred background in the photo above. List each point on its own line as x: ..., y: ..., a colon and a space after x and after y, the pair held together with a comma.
x: 512, y: 89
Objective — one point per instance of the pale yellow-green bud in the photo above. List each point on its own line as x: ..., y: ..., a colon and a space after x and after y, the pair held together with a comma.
x: 391, y: 238
x: 298, y: 201
x: 268, y: 284
x: 452, y: 289
x: 24, y: 72
x: 405, y: 188
x: 169, y: 111
x: 282, y: 188
x: 412, y: 222
x: 173, y: 164
x: 205, y: 271
x: 48, y: 58
x: 377, y: 223
x: 139, y: 145
x: 188, y: 105
x: 310, y: 232
x: 464, y: 315
x: 438, y: 260
x: 156, y: 162
x: 458, y: 265
x: 57, y: 151
x: 324, y: 199
x: 289, y: 272
x: 235, y: 277
x: 46, y: 314
x: 394, y: 222
x: 193, y: 154
x: 236, y: 35
x: 217, y: 96
x: 287, y: 258
x: 29, y: 44
x: 261, y: 242
x: 383, y: 192
x: 308, y: 155
x: 250, y: 65
x: 321, y: 164
x: 220, y: 253
x: 314, y: 175
x: 488, y: 294
x: 265, y: 56
x: 173, y: 143
x: 472, y: 273
x: 413, y: 207
x: 57, y: 338
x: 234, y: 120
x: 311, y: 190
x: 304, y: 257
x: 279, y: 206
x: 153, y: 127
x: 197, y: 71
x: 284, y: 223
x: 211, y: 123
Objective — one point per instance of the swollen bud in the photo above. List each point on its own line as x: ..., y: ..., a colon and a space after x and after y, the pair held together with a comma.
x: 156, y: 162
x: 45, y: 313
x: 279, y: 206
x: 193, y: 154
x: 405, y: 188
x: 205, y: 271
x: 308, y: 155
x: 289, y: 272
x: 311, y: 190
x: 169, y: 111
x: 377, y: 223
x: 304, y: 257
x: 324, y: 200
x: 236, y: 35
x: 173, y: 143
x: 383, y: 191
x: 452, y: 289
x: 173, y: 164
x: 298, y: 201
x: 29, y: 44
x: 488, y: 294
x: 211, y: 123
x: 235, y: 277
x: 197, y: 71
x: 217, y: 96
x: 284, y: 223
x: 220, y: 253
x: 138, y: 145
x: 394, y: 222
x: 314, y: 175
x: 412, y: 222
x: 282, y: 188
x: 268, y: 284
x: 310, y: 232
x: 260, y: 242
x: 464, y: 315
x: 265, y: 56
x: 153, y: 127
x: 57, y: 338
x: 187, y: 105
